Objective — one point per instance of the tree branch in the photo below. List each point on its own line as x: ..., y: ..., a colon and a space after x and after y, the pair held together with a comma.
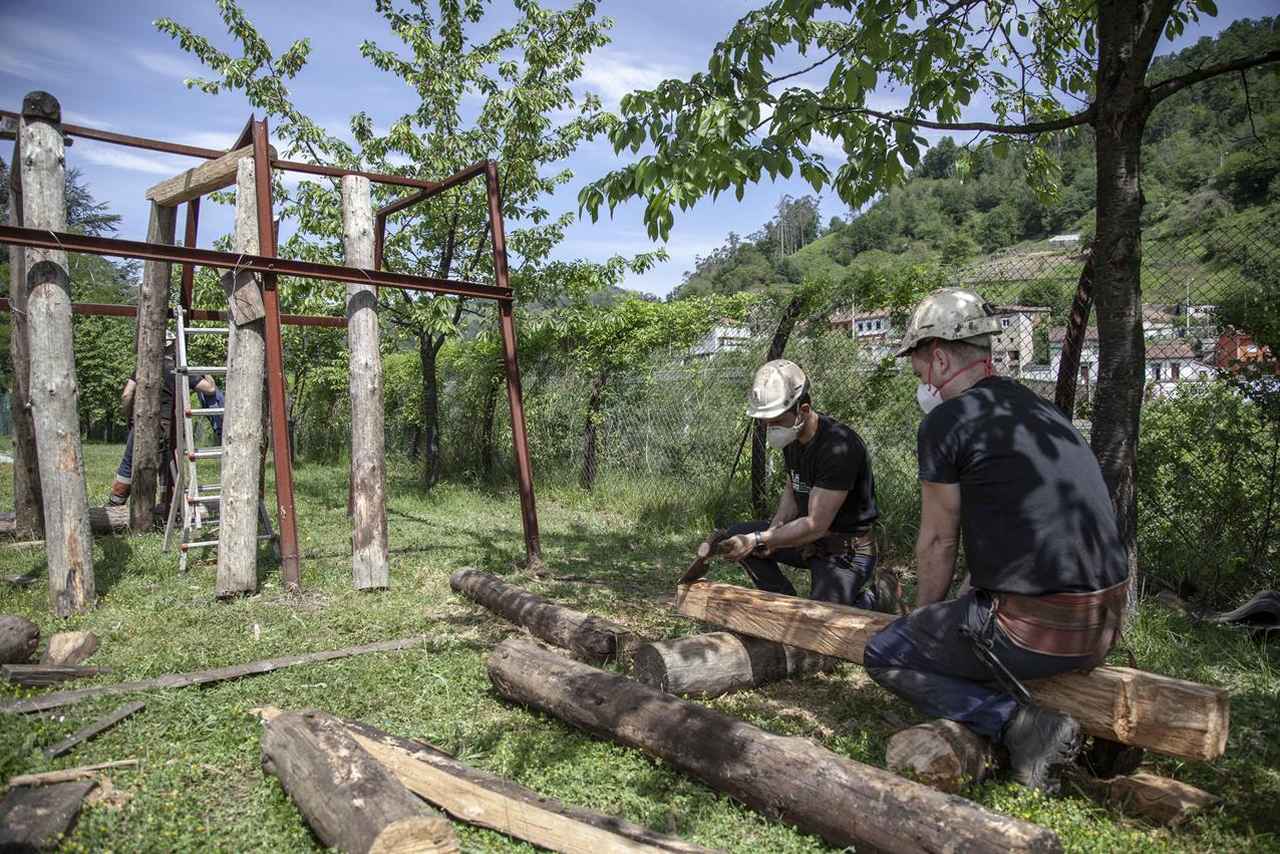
x: 1165, y: 88
x: 1083, y: 117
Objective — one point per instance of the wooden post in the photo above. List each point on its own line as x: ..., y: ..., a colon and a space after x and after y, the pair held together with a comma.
x: 28, y: 504
x: 368, y: 473
x: 845, y: 802
x: 148, y: 420
x: 242, y: 419
x: 54, y: 397
x: 720, y: 662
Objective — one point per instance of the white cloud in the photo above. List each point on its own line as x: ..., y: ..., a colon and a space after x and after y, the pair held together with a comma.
x: 18, y: 66
x: 71, y: 117
x: 612, y: 74
x: 208, y: 139
x: 166, y: 64
x: 116, y: 157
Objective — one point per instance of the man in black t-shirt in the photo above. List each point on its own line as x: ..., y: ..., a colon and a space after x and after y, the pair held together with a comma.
x: 1007, y: 470
x: 828, y: 506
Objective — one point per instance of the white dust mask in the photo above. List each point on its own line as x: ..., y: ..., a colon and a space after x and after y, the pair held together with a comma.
x: 780, y: 437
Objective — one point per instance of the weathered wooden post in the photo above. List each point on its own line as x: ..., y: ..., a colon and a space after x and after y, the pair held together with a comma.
x: 153, y: 307
x: 368, y: 475
x: 242, y: 418
x: 28, y: 504
x: 54, y: 396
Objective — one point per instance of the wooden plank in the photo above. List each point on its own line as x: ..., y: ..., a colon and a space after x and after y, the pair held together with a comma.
x: 843, y: 801
x: 36, y: 675
x: 94, y: 729
x: 486, y: 800
x: 67, y: 774
x: 351, y: 801
x: 37, y: 819
x: 212, y: 175
x: 1121, y: 704
x: 244, y: 296
x: 54, y: 391
x: 369, y: 566
x: 182, y: 680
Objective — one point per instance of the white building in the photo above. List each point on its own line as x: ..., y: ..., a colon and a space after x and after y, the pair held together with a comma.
x: 1169, y: 361
x: 1064, y: 239
x: 725, y: 335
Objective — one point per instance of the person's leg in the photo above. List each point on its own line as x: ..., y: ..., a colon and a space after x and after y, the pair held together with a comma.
x: 123, y: 483
x: 842, y: 579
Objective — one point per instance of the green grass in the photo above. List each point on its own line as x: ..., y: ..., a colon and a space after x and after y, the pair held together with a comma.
x: 200, y: 783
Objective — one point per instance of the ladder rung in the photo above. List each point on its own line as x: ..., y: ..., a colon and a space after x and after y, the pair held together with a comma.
x: 204, y: 499
x: 207, y: 330
x: 205, y: 543
x: 196, y: 369
x: 205, y: 454
x: 210, y: 487
x: 213, y: 410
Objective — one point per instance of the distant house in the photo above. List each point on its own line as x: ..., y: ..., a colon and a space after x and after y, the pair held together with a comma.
x: 1013, y: 348
x: 724, y: 336
x: 1237, y: 348
x: 874, y: 330
x: 1169, y: 361
x: 1064, y: 239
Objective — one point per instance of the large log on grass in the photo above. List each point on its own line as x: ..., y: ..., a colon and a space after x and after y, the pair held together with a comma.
x: 19, y: 638
x: 588, y: 637
x: 348, y: 798
x: 845, y: 802
x: 1121, y: 704
x: 719, y: 662
x: 36, y: 819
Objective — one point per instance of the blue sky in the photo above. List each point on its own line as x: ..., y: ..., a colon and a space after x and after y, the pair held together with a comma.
x: 112, y: 69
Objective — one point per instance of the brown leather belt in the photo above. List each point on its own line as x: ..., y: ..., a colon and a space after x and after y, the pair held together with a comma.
x: 837, y: 543
x: 1065, y: 624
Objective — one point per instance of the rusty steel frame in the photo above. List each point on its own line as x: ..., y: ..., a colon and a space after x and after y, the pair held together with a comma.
x: 189, y: 255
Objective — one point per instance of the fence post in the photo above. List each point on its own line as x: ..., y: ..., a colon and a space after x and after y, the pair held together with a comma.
x: 368, y: 476
x: 54, y: 396
x: 150, y: 425
x: 28, y: 504
x: 242, y: 418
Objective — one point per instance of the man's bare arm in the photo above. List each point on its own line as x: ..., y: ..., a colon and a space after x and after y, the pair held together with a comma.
x: 938, y: 540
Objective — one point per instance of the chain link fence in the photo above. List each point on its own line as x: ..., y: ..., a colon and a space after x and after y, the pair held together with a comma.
x: 661, y: 441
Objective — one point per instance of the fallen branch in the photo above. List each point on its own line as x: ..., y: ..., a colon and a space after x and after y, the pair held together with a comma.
x: 94, y: 729
x: 68, y: 774
x: 182, y: 680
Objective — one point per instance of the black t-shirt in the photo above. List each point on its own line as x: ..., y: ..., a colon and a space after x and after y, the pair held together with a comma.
x: 168, y: 386
x: 1035, y: 512
x: 835, y: 458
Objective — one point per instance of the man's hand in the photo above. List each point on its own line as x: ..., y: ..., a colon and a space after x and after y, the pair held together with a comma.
x: 736, y: 548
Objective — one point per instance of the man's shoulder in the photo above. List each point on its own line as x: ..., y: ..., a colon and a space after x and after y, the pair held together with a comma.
x: 835, y: 430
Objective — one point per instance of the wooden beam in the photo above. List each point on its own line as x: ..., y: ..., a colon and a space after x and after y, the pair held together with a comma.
x: 94, y: 729
x: 36, y: 675
x: 209, y: 176
x: 845, y: 802
x: 182, y: 680
x: 1121, y: 704
x: 720, y: 662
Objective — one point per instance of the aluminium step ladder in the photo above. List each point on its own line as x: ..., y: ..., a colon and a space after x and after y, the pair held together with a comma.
x: 198, y: 503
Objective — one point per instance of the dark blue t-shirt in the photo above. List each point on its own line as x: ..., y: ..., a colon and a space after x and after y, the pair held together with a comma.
x: 1035, y: 513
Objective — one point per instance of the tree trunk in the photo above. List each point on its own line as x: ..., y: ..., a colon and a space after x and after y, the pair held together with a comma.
x: 487, y: 429
x: 720, y: 662
x: 19, y: 638
x: 1073, y: 344
x: 1123, y: 103
x: 148, y: 420
x: 587, y: 477
x: 845, y: 802
x: 351, y: 801
x: 242, y: 432
x: 369, y: 568
x: 28, y: 503
x: 759, y: 450
x: 55, y: 399
x: 429, y: 439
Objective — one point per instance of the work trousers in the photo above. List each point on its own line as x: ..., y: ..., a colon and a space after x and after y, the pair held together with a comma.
x: 926, y: 659
x: 838, y: 578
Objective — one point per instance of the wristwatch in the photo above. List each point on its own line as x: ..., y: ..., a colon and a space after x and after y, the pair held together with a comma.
x: 759, y: 542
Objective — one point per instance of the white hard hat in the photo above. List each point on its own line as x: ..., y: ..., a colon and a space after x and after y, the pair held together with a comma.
x: 776, y: 388
x: 952, y: 314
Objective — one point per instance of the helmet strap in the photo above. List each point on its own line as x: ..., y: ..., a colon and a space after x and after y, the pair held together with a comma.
x: 984, y: 360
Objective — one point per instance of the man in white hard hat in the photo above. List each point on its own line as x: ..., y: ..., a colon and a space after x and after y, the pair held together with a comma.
x: 1048, y: 570
x: 824, y: 518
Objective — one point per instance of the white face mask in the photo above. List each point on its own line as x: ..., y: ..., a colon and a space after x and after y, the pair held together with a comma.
x: 780, y: 437
x: 928, y: 397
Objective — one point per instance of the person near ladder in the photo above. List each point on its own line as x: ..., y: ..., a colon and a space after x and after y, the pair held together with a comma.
x: 204, y: 386
x: 824, y: 518
x: 1047, y: 569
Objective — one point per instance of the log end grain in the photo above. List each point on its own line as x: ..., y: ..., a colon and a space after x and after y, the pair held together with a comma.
x: 70, y: 648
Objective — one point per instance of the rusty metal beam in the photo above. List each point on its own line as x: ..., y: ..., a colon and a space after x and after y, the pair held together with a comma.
x: 101, y: 309
x: 42, y: 239
x: 287, y: 517
x: 472, y: 171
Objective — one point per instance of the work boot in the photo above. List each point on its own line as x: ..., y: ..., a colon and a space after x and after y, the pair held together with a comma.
x: 1040, y: 743
x: 119, y: 493
x: 887, y: 591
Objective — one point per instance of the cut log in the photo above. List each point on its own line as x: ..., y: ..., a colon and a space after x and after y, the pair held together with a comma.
x: 182, y: 680
x: 70, y: 648
x: 348, y: 798
x: 19, y: 638
x: 37, y: 819
x: 588, y: 637
x: 843, y: 801
x: 1121, y: 704
x: 94, y: 729
x: 719, y: 662
x: 67, y: 774
x: 1158, y: 799
x: 943, y: 754
x: 54, y: 392
x: 242, y: 431
x: 369, y: 569
x: 216, y: 174
x: 102, y: 520
x: 35, y: 675
x: 485, y: 800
